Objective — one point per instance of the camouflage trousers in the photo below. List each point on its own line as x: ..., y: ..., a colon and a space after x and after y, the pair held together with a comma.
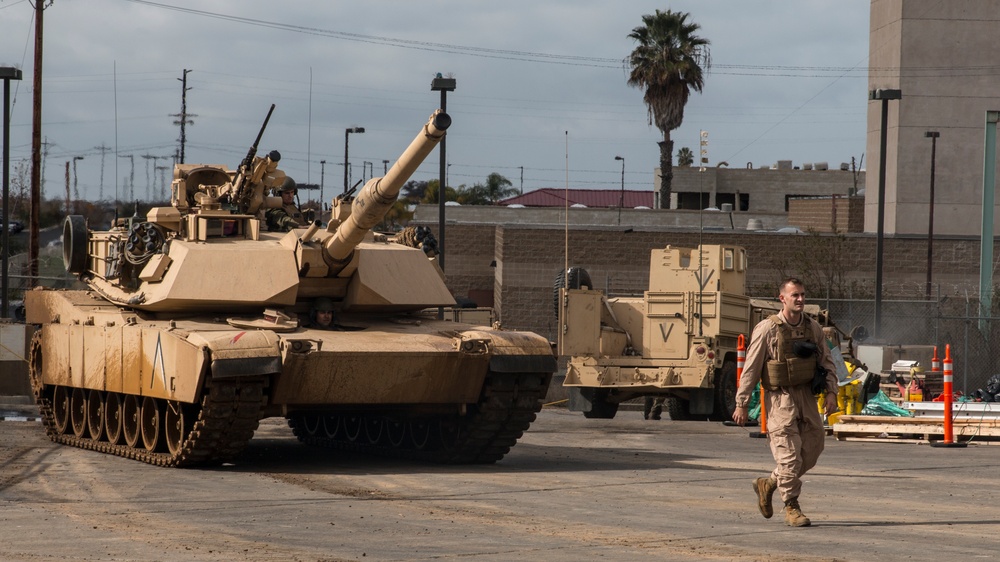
x: 795, y: 431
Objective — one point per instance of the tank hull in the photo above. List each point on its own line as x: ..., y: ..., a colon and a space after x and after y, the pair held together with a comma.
x: 403, y: 385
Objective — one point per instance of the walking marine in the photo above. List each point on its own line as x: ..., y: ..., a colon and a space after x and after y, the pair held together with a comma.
x: 785, y: 353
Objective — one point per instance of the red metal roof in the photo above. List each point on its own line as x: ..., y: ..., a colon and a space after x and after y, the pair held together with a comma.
x: 597, y: 198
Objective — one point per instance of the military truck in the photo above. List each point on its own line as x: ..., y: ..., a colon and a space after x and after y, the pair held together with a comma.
x: 678, y: 341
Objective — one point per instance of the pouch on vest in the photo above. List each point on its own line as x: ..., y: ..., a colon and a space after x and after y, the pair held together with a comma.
x: 790, y: 369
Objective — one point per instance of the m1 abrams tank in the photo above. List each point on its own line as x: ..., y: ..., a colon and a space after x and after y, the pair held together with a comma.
x: 195, y: 327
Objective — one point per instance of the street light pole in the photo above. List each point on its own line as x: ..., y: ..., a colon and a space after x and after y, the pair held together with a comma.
x: 443, y: 85
x: 7, y: 73
x: 933, y: 135
x: 621, y: 200
x: 76, y: 188
x: 885, y: 96
x: 347, y: 138
x: 322, y: 172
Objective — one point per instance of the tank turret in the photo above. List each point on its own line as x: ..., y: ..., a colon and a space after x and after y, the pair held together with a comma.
x: 211, y: 251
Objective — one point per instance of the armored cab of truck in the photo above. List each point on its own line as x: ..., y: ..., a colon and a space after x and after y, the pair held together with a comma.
x: 198, y: 322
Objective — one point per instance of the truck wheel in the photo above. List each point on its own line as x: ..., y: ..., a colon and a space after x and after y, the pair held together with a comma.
x: 677, y: 408
x: 600, y: 406
x: 578, y: 277
x: 74, y: 242
x: 725, y: 392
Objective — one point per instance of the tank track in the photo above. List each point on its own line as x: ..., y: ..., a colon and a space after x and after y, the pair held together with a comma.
x: 507, y: 406
x: 227, y: 417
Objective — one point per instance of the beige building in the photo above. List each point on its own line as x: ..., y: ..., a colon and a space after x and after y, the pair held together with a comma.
x: 942, y: 56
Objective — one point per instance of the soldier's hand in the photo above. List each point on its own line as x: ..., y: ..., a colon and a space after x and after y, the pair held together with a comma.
x: 740, y: 415
x: 831, y: 403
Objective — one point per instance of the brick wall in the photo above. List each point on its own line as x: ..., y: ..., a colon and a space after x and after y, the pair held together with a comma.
x: 827, y: 214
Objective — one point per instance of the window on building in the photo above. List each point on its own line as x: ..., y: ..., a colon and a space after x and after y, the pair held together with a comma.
x: 692, y: 200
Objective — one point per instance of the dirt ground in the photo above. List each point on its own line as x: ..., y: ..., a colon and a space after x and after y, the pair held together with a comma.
x: 572, y: 489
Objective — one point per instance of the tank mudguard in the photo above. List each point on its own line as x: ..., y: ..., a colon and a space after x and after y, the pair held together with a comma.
x: 516, y: 352
x: 238, y: 353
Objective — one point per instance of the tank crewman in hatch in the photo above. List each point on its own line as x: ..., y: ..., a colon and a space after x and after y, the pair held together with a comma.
x: 322, y: 316
x: 288, y: 215
x: 785, y: 354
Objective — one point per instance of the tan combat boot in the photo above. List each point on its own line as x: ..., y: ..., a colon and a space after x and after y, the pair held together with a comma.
x: 765, y: 489
x: 794, y: 516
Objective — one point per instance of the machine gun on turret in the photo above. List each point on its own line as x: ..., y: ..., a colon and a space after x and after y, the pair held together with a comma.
x: 248, y: 176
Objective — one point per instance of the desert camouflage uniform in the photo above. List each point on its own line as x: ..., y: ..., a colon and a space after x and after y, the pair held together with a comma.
x: 794, y: 425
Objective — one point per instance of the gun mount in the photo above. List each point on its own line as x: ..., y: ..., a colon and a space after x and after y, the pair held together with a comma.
x: 376, y: 198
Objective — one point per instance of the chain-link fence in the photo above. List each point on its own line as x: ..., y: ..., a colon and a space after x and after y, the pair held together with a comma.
x: 974, y: 339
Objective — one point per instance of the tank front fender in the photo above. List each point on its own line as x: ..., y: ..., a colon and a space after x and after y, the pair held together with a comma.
x: 517, y: 352
x: 240, y: 353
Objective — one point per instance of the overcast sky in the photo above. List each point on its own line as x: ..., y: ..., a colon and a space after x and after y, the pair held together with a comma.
x: 537, y: 80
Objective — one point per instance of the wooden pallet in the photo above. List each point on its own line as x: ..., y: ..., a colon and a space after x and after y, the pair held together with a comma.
x: 914, y: 430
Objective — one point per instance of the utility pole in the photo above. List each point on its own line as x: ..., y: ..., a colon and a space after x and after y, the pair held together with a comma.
x: 149, y: 190
x: 104, y: 150
x: 163, y: 180
x: 522, y: 179
x: 67, y: 188
x: 45, y: 154
x: 36, y: 146
x: 183, y: 118
x: 131, y: 176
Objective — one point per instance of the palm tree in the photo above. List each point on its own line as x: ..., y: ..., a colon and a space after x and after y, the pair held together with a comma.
x: 685, y: 157
x: 668, y: 62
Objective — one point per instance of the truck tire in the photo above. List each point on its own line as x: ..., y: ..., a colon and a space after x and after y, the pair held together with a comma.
x: 677, y: 408
x: 725, y: 392
x: 600, y: 406
x: 578, y: 277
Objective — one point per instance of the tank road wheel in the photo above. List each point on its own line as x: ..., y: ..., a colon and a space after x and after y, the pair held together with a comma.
x: 449, y: 433
x: 395, y: 432
x: 374, y: 427
x: 331, y: 426
x: 176, y: 426
x: 352, y: 427
x: 130, y: 420
x: 78, y: 412
x: 420, y: 433
x: 95, y: 414
x: 150, y: 425
x: 60, y: 408
x: 725, y: 392
x: 113, y: 417
x: 312, y: 424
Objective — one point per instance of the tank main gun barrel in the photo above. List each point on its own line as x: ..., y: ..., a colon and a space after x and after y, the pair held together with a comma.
x: 377, y: 196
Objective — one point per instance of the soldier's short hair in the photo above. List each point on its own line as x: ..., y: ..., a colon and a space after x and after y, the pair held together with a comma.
x: 787, y: 280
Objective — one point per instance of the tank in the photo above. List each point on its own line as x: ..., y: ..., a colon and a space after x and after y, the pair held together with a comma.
x: 197, y: 323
